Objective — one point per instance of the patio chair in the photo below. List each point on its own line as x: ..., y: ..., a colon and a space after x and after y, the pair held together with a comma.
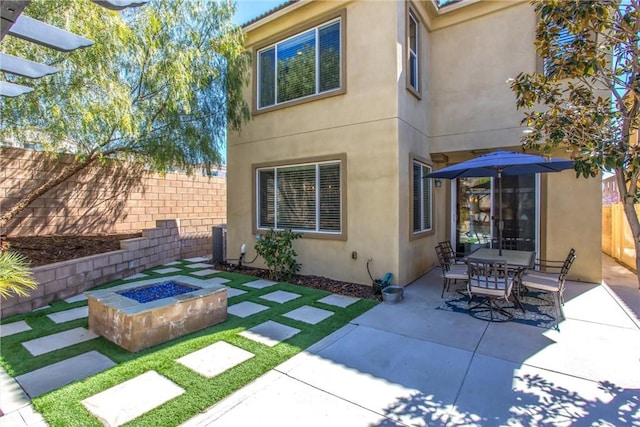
x: 549, y: 276
x: 451, y: 255
x: 490, y: 282
x: 451, y: 272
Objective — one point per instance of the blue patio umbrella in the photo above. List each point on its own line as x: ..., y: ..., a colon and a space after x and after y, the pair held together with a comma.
x: 502, y: 163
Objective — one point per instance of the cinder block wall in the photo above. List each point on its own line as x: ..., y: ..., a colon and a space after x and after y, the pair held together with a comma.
x: 196, y: 236
x: 64, y: 279
x: 118, y: 198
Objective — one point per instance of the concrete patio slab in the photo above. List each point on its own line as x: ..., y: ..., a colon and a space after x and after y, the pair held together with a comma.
x: 524, y: 395
x: 415, y: 385
x: 172, y: 263
x: 76, y: 298
x: 57, y: 341
x: 136, y: 276
x: 64, y: 372
x: 204, y: 272
x: 215, y: 359
x: 44, y: 307
x: 581, y: 298
x: 167, y: 270
x: 130, y: 399
x: 270, y: 333
x: 246, y: 309
x: 308, y: 314
x: 69, y: 315
x: 259, y: 284
x: 24, y: 417
x: 12, y: 396
x: 260, y: 403
x: 7, y: 329
x: 280, y: 296
x: 198, y: 265
x: 338, y: 300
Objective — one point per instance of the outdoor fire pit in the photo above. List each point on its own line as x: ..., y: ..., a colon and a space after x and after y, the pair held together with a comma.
x: 142, y: 314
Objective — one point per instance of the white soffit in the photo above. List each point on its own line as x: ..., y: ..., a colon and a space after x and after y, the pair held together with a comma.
x: 24, y: 67
x: 38, y: 32
x: 12, y: 90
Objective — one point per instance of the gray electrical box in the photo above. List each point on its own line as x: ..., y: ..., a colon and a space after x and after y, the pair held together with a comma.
x: 219, y: 242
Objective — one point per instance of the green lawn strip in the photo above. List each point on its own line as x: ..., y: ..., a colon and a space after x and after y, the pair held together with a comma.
x: 63, y: 407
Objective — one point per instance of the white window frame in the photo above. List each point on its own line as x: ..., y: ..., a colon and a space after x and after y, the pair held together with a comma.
x: 275, y: 45
x: 317, y: 229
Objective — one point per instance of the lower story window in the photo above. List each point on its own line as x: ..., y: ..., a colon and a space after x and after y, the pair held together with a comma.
x: 421, y: 197
x: 303, y: 197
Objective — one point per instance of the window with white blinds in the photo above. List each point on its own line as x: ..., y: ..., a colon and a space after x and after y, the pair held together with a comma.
x: 421, y: 189
x: 304, y: 197
x: 306, y: 64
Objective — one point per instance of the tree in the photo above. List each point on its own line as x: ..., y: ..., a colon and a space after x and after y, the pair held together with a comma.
x: 588, y: 96
x: 158, y: 87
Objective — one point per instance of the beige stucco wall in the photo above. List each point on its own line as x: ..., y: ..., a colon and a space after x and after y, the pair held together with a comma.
x: 471, y: 105
x: 465, y: 104
x: 362, y: 123
x: 572, y: 213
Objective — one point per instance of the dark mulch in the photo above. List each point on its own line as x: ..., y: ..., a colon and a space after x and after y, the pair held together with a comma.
x: 43, y: 250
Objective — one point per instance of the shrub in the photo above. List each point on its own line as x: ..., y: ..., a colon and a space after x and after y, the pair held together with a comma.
x: 276, y: 247
x: 15, y: 275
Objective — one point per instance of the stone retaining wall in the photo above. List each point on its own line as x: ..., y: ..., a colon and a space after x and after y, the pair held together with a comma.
x: 168, y: 241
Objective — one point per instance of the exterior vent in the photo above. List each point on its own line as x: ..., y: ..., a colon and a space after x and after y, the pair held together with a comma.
x: 219, y: 243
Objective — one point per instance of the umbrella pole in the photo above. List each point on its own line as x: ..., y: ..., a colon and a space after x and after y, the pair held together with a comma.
x: 500, y: 222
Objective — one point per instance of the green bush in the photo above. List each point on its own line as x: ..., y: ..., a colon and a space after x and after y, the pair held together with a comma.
x: 276, y: 247
x: 15, y: 275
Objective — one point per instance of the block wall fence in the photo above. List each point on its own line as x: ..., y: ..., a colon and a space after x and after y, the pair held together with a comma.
x: 115, y: 198
x: 157, y: 246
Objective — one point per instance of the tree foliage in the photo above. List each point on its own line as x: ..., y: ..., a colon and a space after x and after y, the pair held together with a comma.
x: 159, y: 86
x: 587, y: 98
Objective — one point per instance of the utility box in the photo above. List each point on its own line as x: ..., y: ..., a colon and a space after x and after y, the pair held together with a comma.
x: 219, y: 243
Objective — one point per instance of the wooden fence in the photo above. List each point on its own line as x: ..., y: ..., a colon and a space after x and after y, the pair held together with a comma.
x: 617, y: 239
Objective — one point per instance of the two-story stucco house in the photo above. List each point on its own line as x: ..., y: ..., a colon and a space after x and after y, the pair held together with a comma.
x: 354, y: 102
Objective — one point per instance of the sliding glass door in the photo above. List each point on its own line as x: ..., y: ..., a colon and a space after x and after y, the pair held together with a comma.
x: 477, y: 210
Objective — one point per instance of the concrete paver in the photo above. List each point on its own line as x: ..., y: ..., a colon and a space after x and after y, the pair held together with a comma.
x: 199, y: 265
x: 308, y: 314
x: 69, y: 315
x: 57, y: 341
x: 280, y: 296
x: 7, y: 329
x: 259, y: 284
x: 64, y: 372
x: 246, y: 309
x: 198, y: 259
x: 215, y: 359
x: 136, y: 276
x: 204, y: 272
x: 233, y: 292
x: 336, y: 300
x: 130, y: 399
x: 270, y: 333
x: 76, y: 298
x: 167, y: 270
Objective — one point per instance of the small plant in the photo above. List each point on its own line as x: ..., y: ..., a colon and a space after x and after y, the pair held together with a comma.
x: 15, y: 275
x: 276, y: 247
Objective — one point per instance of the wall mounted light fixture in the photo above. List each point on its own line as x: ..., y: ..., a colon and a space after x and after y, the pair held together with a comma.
x: 438, y: 183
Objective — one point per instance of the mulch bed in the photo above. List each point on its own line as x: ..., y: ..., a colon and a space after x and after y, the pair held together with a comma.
x: 43, y: 250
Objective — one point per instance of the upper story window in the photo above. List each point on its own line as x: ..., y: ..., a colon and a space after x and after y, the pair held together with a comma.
x: 307, y: 64
x: 413, y: 62
x: 565, y: 39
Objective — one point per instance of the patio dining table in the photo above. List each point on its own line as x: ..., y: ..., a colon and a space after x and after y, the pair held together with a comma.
x: 517, y: 263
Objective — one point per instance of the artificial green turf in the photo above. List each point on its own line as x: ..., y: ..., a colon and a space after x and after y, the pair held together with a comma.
x: 63, y: 407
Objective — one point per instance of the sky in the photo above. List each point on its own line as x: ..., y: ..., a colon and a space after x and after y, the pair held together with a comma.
x: 246, y: 10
